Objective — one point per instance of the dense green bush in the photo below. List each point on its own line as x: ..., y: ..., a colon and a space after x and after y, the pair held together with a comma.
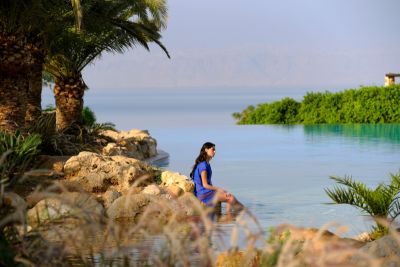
x: 284, y: 111
x: 364, y: 105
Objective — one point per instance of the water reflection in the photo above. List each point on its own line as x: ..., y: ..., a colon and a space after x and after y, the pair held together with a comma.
x: 389, y: 133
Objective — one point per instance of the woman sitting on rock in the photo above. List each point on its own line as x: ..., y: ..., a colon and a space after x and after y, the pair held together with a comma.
x: 204, y: 190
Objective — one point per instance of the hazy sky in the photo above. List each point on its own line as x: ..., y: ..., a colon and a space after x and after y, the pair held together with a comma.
x: 263, y: 43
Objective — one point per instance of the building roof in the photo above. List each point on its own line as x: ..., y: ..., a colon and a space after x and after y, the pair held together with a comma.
x: 392, y: 74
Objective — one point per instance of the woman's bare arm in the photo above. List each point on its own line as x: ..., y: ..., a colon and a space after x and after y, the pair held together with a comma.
x: 205, y: 182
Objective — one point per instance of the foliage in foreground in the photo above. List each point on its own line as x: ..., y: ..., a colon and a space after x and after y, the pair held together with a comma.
x: 382, y: 202
x: 17, y: 152
x: 180, y: 240
x: 364, y: 105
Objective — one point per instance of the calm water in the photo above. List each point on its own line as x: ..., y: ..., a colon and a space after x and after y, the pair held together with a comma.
x: 280, y: 172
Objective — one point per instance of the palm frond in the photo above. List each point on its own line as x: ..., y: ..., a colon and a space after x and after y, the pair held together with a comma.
x: 381, y: 202
x: 348, y: 196
x: 363, y: 193
x: 395, y: 181
x: 76, y: 5
x: 109, y: 26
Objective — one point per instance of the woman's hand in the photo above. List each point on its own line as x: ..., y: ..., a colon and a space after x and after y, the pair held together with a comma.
x: 226, y: 195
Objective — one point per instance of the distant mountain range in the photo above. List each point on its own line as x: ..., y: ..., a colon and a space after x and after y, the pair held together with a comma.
x: 243, y: 67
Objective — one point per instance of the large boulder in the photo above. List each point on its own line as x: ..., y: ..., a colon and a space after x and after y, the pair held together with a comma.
x: 73, y: 205
x: 109, y: 197
x: 152, y: 189
x: 169, y: 178
x: 386, y: 248
x: 175, y: 191
x: 302, y: 246
x: 129, y: 207
x: 135, y: 144
x: 97, y: 173
x: 152, y: 211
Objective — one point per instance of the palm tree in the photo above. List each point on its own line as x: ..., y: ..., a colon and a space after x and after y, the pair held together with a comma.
x: 107, y: 26
x: 61, y: 14
x: 34, y: 91
x: 24, y: 31
x: 16, y: 60
x: 381, y: 202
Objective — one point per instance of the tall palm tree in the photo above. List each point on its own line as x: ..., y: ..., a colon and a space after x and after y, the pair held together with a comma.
x: 16, y: 60
x: 24, y: 28
x: 61, y: 14
x: 34, y: 91
x: 382, y: 202
x: 107, y: 26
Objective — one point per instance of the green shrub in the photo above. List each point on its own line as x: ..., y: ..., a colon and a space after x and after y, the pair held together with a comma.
x: 365, y: 105
x: 17, y: 152
x: 284, y: 111
x: 243, y: 117
x: 74, y: 139
x: 88, y: 117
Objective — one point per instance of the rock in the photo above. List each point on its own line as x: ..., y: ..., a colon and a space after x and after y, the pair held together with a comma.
x: 66, y: 205
x: 129, y: 207
x: 97, y: 173
x: 169, y: 178
x: 111, y: 149
x: 302, y: 234
x: 387, y: 248
x: 33, y: 198
x: 304, y: 245
x: 55, y: 163
x: 109, y: 197
x: 61, y: 186
x: 363, y: 237
x: 67, y: 185
x: 175, y: 190
x: 126, y: 135
x: 135, y: 144
x: 284, y: 231
x: 151, y: 190
x: 161, y: 159
x: 238, y: 258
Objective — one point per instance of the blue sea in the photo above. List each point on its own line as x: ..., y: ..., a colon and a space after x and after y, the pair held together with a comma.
x: 279, y: 172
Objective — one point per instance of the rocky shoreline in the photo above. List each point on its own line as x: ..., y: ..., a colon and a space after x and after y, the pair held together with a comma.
x: 117, y: 183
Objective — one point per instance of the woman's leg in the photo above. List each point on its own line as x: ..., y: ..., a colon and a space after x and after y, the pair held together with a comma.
x: 230, y: 200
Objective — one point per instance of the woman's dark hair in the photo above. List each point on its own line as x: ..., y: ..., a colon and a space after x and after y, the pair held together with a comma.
x: 202, y: 156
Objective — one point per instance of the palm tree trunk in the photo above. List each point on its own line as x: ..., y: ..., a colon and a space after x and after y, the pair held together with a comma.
x: 15, y: 63
x: 69, y: 102
x: 34, y: 95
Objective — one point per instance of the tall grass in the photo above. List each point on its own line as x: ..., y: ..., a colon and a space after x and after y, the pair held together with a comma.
x: 172, y: 233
